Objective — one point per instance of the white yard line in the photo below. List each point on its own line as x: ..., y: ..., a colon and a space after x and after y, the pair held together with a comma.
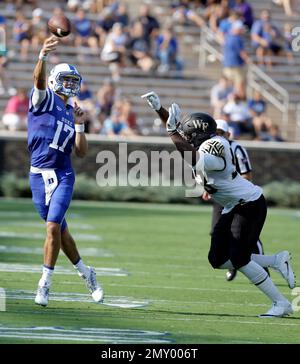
x: 112, y: 301
x: 41, y: 236
x: 30, y: 268
x: 101, y: 335
x: 89, y: 252
x: 41, y: 225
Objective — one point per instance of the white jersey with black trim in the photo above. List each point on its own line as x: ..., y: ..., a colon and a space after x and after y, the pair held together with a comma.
x: 216, y: 172
x: 242, y: 161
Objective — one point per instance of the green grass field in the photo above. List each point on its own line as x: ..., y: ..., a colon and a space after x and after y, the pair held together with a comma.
x: 152, y: 263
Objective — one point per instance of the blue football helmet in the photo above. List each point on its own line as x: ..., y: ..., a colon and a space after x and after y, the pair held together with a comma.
x: 64, y: 79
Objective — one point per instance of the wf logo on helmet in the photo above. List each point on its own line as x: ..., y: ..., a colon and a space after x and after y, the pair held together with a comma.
x: 200, y: 124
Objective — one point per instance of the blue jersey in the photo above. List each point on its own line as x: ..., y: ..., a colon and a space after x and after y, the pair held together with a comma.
x: 51, y: 133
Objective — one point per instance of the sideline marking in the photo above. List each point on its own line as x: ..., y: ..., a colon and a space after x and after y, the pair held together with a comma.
x: 39, y: 236
x: 90, y: 252
x: 180, y: 288
x: 30, y: 268
x: 103, y: 335
x: 41, y: 225
x: 111, y: 301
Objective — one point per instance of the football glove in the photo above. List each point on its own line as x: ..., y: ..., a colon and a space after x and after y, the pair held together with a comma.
x: 153, y: 100
x: 173, y: 119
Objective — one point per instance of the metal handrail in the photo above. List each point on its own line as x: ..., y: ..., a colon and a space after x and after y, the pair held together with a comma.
x: 254, y: 76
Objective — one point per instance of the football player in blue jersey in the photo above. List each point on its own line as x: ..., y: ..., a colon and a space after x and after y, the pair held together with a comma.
x: 55, y: 127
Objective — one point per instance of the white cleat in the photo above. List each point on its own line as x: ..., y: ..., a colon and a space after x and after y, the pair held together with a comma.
x: 42, y: 296
x: 283, y: 266
x: 279, y: 309
x: 93, y: 286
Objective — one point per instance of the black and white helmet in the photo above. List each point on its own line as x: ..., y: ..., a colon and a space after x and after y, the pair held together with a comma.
x: 197, y: 127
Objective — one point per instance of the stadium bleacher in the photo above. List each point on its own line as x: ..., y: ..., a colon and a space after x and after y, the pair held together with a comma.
x: 192, y: 91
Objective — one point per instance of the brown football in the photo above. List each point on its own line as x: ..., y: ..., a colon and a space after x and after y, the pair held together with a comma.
x: 59, y: 25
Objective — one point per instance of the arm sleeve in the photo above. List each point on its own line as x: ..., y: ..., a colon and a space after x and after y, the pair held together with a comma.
x: 209, y: 162
x: 187, y: 151
x: 41, y: 100
x: 37, y: 97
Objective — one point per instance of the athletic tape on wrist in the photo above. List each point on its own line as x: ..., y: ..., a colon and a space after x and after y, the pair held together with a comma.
x: 43, y: 56
x: 79, y: 128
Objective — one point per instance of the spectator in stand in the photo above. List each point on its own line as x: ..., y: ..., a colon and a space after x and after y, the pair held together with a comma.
x: 115, y: 124
x: 288, y: 39
x: 5, y: 86
x: 167, y: 51
x: 114, y: 50
x: 84, y: 31
x: 18, y: 4
x: 89, y: 5
x: 271, y: 34
x: 38, y: 28
x: 257, y: 105
x: 186, y: 16
x: 235, y: 57
x: 122, y: 15
x: 216, y: 13
x: 97, y: 6
x: 226, y: 25
x: 149, y: 22
x: 127, y: 114
x: 74, y: 5
x: 263, y: 33
x: 273, y: 134
x: 15, y: 113
x: 232, y: 126
x: 21, y: 32
x: 237, y: 108
x: 139, y: 49
x: 85, y: 101
x: 2, y: 21
x: 288, y: 7
x: 105, y: 24
x: 245, y: 9
x: 105, y: 99
x: 3, y: 75
x: 219, y: 95
x: 266, y: 130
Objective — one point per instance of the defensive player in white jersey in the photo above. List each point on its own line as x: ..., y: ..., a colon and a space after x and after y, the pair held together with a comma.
x: 211, y: 158
x: 244, y: 168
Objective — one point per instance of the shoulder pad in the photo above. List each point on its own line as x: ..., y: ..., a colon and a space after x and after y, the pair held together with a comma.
x: 213, y: 146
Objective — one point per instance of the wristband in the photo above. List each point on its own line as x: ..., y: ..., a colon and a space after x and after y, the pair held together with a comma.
x: 79, y: 128
x: 43, y: 56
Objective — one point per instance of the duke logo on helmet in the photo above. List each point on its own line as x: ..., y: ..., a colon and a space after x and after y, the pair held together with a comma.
x: 64, y: 79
